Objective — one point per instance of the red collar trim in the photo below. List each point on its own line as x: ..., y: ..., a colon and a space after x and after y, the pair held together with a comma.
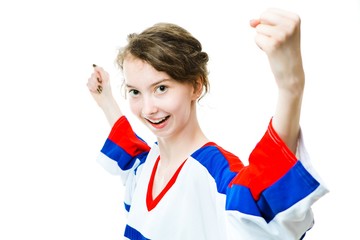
x: 150, y: 201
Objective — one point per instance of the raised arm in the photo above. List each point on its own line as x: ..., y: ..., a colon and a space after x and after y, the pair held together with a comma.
x: 278, y: 35
x: 100, y: 88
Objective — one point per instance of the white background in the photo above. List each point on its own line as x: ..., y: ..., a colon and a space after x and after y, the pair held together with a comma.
x: 51, y: 130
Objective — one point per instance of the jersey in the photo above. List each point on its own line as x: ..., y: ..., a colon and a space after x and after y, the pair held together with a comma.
x: 213, y: 195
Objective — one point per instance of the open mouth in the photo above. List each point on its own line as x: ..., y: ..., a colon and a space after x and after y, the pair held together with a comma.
x: 158, y: 121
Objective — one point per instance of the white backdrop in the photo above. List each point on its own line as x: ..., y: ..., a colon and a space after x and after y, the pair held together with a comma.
x: 51, y: 130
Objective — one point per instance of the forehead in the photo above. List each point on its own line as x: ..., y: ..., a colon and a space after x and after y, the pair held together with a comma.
x: 139, y: 72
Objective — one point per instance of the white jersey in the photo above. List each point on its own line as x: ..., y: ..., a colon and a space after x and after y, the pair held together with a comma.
x: 213, y: 195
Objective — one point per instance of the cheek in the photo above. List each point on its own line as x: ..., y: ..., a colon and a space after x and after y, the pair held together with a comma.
x: 181, y: 105
x: 135, y: 107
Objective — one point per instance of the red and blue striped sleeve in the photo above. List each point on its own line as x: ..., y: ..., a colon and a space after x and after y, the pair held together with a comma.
x: 123, y: 146
x: 275, y: 187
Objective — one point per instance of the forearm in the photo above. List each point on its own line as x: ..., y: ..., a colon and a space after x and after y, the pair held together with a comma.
x: 111, y: 110
x: 278, y: 35
x: 286, y: 120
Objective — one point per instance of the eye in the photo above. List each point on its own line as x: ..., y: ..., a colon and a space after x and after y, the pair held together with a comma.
x: 161, y: 89
x: 133, y: 92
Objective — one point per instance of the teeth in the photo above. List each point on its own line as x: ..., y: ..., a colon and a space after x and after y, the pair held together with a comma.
x: 157, y: 121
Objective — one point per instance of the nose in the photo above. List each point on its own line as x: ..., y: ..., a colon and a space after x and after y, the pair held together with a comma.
x: 149, y: 106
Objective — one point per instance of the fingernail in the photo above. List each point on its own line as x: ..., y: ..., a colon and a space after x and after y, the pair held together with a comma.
x: 94, y: 65
x: 99, y: 89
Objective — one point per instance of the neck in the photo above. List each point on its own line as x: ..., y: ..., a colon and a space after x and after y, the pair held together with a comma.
x: 178, y: 148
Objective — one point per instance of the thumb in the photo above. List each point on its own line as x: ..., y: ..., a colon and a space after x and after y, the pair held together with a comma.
x: 254, y: 22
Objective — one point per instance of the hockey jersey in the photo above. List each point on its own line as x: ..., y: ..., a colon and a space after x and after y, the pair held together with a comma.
x: 213, y: 195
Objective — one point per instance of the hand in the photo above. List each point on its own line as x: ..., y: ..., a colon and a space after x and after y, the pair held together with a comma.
x: 278, y: 35
x: 99, y: 86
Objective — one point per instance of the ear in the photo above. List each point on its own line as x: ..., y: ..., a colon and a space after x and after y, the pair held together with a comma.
x: 198, y: 88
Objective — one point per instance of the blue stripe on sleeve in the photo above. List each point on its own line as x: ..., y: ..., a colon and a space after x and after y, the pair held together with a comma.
x: 133, y: 234
x: 115, y: 152
x: 239, y: 198
x: 294, y: 186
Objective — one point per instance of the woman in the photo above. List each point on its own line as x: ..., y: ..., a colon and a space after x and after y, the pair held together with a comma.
x: 185, y: 186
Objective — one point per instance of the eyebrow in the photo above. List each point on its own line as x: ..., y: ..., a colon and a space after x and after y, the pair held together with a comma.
x: 153, y: 84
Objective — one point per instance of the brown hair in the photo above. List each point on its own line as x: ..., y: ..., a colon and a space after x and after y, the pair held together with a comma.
x: 172, y: 49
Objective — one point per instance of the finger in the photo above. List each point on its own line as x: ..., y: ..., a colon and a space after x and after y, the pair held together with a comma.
x: 95, y: 88
x: 274, y: 17
x: 270, y: 31
x: 284, y: 14
x: 93, y: 79
x: 254, y: 22
x: 99, y: 89
x: 278, y: 27
x: 101, y: 75
x: 267, y: 30
x: 97, y: 72
x: 264, y: 42
x: 92, y: 88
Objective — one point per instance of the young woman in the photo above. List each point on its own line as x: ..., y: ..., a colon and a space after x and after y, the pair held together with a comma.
x: 185, y: 186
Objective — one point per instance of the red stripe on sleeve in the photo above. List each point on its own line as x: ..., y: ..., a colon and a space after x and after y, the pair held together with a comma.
x: 268, y: 162
x: 123, y: 135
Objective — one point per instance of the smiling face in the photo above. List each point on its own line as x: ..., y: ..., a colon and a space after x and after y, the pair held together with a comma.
x: 164, y: 105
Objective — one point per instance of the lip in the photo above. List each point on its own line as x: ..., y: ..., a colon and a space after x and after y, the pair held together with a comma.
x: 158, y: 123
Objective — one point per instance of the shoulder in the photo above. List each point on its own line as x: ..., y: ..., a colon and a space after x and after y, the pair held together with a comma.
x: 220, y: 164
x: 211, y: 155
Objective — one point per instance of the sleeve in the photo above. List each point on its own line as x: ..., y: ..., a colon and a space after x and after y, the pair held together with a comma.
x: 123, y: 151
x: 271, y: 198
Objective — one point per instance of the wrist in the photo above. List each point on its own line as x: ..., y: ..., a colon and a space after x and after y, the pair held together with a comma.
x: 293, y: 86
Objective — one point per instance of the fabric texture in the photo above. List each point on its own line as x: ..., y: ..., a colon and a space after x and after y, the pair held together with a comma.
x: 214, y: 195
